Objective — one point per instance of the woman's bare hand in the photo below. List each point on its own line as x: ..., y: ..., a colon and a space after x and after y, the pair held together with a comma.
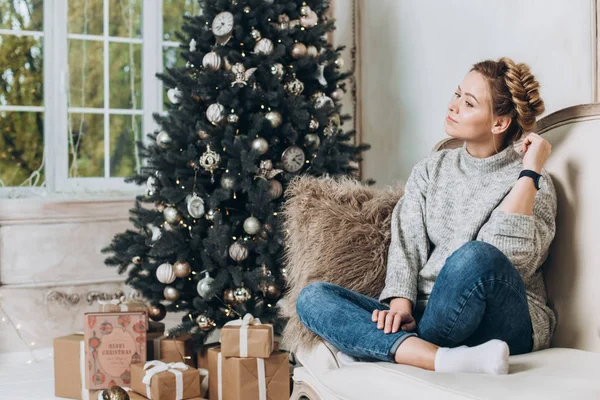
x: 392, y: 321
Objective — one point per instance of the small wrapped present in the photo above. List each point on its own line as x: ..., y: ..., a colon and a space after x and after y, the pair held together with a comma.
x: 69, y: 368
x: 158, y: 380
x: 171, y: 349
x: 235, y: 378
x: 247, y: 337
x: 119, y: 305
x: 202, y: 355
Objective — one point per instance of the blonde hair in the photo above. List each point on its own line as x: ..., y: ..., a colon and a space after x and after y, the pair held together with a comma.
x: 514, y: 93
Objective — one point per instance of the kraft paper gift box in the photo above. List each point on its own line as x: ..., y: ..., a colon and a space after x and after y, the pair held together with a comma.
x: 69, y: 368
x: 247, y: 337
x: 171, y: 349
x: 235, y: 378
x: 164, y: 381
x: 113, y: 341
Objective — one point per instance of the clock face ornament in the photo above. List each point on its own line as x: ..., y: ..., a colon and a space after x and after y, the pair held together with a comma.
x: 222, y: 27
x: 293, y: 159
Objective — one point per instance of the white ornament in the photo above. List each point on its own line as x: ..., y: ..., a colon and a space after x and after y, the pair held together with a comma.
x: 174, y: 95
x: 193, y: 45
x: 151, y: 184
x: 215, y: 113
x: 156, y: 232
x: 238, y: 252
x: 204, y: 286
x: 310, y: 20
x: 319, y: 75
x: 252, y: 225
x: 211, y: 61
x: 171, y: 215
x: 263, y: 46
x: 195, y: 205
x: 165, y: 273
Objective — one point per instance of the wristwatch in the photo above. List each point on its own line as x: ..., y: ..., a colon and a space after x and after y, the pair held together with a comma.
x: 533, y: 175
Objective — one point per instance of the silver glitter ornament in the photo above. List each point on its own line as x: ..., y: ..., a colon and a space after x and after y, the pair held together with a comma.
x: 277, y: 70
x: 227, y: 182
x: 294, y: 87
x: 252, y: 225
x: 195, y: 205
x: 275, y: 118
x: 238, y: 251
x: 337, y: 94
x: 171, y: 215
x: 204, y: 287
x: 312, y: 140
x: 171, y: 293
x: 260, y: 144
x: 165, y: 273
x: 264, y: 46
x: 163, y: 140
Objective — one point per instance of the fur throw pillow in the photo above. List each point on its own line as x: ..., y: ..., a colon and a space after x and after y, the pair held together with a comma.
x: 337, y: 231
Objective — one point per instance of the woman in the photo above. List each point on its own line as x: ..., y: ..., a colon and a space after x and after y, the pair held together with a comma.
x: 464, y: 288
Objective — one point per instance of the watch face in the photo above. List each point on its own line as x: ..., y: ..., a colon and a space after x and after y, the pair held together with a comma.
x: 293, y: 159
x: 222, y: 24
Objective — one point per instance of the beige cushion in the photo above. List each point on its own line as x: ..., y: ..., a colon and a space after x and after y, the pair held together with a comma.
x: 337, y: 231
x: 548, y: 374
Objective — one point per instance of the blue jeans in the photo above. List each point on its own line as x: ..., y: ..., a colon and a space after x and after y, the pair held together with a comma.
x: 477, y: 296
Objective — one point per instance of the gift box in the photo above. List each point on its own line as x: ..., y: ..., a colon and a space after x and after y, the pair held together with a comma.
x: 202, y: 355
x: 137, y: 396
x: 69, y: 368
x: 158, y: 380
x: 171, y: 349
x: 122, y: 305
x: 247, y: 337
x: 236, y: 378
x: 113, y: 341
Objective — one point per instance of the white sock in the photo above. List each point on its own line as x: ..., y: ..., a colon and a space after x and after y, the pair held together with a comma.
x: 489, y: 358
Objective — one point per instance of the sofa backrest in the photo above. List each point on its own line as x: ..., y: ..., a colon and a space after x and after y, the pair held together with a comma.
x: 572, y: 269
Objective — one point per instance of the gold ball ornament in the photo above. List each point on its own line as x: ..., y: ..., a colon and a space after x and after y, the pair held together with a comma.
x: 157, y: 312
x: 228, y: 297
x: 275, y: 189
x: 182, y: 269
x: 312, y: 51
x: 275, y: 118
x: 272, y: 291
x: 115, y: 393
x: 171, y: 215
x: 204, y: 322
x: 227, y: 64
x: 312, y: 140
x: 298, y: 50
x: 260, y: 144
x: 242, y: 295
x: 171, y: 293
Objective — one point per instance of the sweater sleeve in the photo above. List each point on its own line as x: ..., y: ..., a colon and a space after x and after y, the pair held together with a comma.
x: 409, y: 246
x: 524, y: 239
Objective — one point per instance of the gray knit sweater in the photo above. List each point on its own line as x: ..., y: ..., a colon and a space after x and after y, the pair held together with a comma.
x: 452, y: 197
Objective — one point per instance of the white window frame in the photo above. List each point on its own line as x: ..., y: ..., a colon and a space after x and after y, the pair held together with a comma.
x: 55, y: 108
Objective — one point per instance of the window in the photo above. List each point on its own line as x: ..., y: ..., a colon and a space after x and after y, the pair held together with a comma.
x: 75, y: 98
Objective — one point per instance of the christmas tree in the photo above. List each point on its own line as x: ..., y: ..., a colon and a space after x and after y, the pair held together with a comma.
x: 257, y: 104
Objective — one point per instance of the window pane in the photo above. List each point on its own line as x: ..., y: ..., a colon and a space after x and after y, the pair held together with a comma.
x: 21, y: 148
x: 124, y: 131
x: 125, y: 18
x: 86, y: 145
x: 86, y: 75
x: 85, y: 17
x: 171, y: 58
x: 173, y: 11
x: 125, y: 75
x: 21, y: 73
x: 22, y: 15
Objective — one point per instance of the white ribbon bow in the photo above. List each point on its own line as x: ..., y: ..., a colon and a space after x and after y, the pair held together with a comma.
x: 156, y: 366
x: 244, y: 323
x: 115, y: 302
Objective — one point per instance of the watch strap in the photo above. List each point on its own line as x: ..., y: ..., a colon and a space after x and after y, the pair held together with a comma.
x: 533, y: 175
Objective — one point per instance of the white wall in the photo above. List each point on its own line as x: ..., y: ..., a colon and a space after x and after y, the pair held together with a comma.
x: 415, y: 53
